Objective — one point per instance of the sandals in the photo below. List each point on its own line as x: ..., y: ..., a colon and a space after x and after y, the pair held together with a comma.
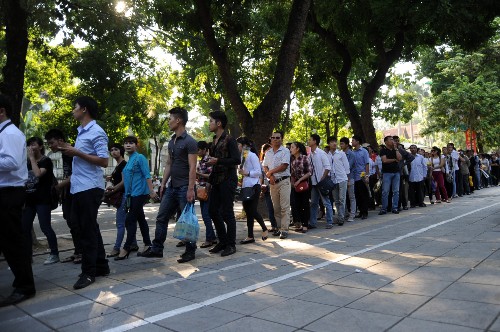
x: 208, y: 244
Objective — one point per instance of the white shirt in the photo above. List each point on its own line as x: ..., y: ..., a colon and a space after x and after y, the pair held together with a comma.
x: 340, y: 166
x: 454, y: 158
x: 251, y: 165
x: 319, y: 163
x: 274, y: 159
x: 418, y: 169
x: 13, y: 156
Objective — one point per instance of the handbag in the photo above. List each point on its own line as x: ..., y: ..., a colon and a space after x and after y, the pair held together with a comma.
x: 187, y: 227
x: 302, y: 186
x: 202, y: 193
x: 114, y: 199
x: 247, y: 194
x: 325, y: 186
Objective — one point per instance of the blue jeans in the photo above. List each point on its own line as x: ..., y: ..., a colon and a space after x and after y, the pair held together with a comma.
x: 315, y: 195
x: 173, y: 199
x: 390, y: 180
x: 121, y: 215
x: 205, y: 215
x: 339, y: 196
x: 43, y: 213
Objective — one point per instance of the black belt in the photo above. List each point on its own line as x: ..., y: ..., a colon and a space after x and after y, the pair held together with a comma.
x: 280, y: 179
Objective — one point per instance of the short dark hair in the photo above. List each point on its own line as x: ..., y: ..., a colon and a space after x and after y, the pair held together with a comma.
x: 131, y: 139
x: 316, y: 138
x: 202, y: 145
x: 414, y: 146
x: 38, y: 140
x: 344, y: 140
x: 279, y: 132
x: 358, y: 138
x: 180, y: 113
x: 55, y: 134
x: 219, y: 116
x: 119, y: 147
x: 89, y: 103
x: 6, y: 104
x: 395, y: 137
x: 331, y: 139
x: 243, y: 140
x: 387, y: 138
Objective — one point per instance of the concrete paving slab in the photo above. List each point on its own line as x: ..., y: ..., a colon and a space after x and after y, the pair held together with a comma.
x: 396, y: 304
x: 252, y: 324
x: 464, y: 313
x: 203, y: 319
x: 27, y: 324
x: 334, y: 295
x: 352, y: 320
x: 447, y: 261
x: 363, y: 280
x: 101, y: 323
x: 390, y: 270
x: 71, y: 316
x: 152, y: 308
x: 472, y: 292
x: 323, y: 276
x: 438, y: 273
x: 249, y: 303
x: 181, y: 287
x: 150, y: 328
x: 417, y: 325
x: 295, y: 312
x: 479, y: 275
x: 288, y: 288
x: 416, y: 286
x: 496, y: 325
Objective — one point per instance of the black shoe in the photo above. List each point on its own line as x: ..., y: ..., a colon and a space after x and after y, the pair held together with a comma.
x: 400, y: 209
x: 134, y: 247
x: 218, y: 248
x: 84, y: 281
x: 405, y: 208
x: 15, y: 298
x: 413, y: 206
x: 382, y: 212
x: 395, y: 211
x: 364, y: 216
x: 228, y: 251
x: 102, y: 272
x: 149, y: 253
x: 247, y: 241
x: 180, y: 244
x: 358, y: 216
x: 276, y: 232
x: 283, y: 235
x: 422, y: 205
x: 186, y: 257
x: 310, y: 227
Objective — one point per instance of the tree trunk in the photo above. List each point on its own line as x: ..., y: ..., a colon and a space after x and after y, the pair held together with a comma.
x: 336, y: 125
x: 16, y: 42
x: 266, y: 115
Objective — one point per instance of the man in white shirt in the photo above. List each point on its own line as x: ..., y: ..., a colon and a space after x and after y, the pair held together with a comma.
x: 418, y: 171
x: 13, y: 175
x: 457, y: 183
x: 339, y: 171
x: 277, y: 168
x: 320, y: 169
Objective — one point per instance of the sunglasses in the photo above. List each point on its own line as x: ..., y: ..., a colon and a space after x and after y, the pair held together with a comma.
x: 275, y: 137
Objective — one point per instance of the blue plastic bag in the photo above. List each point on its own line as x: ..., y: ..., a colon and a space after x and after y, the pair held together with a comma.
x: 187, y: 227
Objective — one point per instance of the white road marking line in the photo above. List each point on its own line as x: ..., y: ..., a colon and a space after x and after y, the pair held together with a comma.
x: 178, y: 311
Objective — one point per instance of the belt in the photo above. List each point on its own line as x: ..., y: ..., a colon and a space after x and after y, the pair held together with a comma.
x: 280, y: 179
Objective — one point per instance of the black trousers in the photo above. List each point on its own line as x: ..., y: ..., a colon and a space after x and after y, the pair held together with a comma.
x: 12, y: 239
x: 403, y: 198
x: 301, y: 207
x: 136, y: 216
x: 250, y: 208
x: 84, y: 212
x: 221, y: 209
x: 415, y: 193
x: 73, y: 226
x: 362, y: 197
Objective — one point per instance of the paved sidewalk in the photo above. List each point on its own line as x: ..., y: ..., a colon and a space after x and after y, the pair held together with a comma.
x: 426, y: 269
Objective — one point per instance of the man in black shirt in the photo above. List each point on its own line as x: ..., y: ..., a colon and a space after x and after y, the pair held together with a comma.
x: 390, y: 174
x: 55, y: 138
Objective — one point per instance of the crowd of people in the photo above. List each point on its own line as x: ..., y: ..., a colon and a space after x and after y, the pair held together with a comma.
x: 299, y: 184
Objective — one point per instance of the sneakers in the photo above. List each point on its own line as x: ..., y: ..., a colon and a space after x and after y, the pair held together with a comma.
x: 276, y: 232
x: 395, y: 211
x: 350, y: 219
x: 328, y: 226
x: 51, y: 260
x: 84, y: 281
x: 283, y: 235
x: 228, y: 251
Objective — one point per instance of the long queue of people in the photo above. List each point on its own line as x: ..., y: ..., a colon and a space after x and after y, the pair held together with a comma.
x: 296, y: 183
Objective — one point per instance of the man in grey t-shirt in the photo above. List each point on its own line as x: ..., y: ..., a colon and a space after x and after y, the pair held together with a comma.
x: 181, y: 170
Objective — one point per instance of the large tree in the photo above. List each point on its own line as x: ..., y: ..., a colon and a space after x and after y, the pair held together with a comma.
x: 357, y: 42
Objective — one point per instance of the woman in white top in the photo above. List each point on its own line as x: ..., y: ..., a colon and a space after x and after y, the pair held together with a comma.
x: 251, y: 170
x: 437, y: 165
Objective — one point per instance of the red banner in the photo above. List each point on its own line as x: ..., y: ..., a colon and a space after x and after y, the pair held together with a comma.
x: 470, y: 140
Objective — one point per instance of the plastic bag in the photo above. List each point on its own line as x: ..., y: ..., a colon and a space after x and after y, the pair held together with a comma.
x: 187, y: 227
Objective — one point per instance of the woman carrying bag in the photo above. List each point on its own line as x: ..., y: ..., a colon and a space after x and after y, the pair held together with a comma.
x: 252, y: 172
x: 300, y: 184
x: 438, y: 165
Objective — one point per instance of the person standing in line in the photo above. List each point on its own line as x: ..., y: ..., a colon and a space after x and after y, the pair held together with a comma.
x: 457, y: 177
x: 267, y: 192
x: 277, y: 168
x: 38, y: 197
x: 300, y: 170
x: 418, y: 171
x: 407, y: 158
x: 224, y: 158
x: 203, y: 173
x: 13, y: 176
x: 55, y: 138
x: 117, y: 151
x: 90, y: 155
x: 361, y: 165
x: 180, y: 169
x: 320, y: 169
x: 351, y: 197
x: 438, y: 165
x: 251, y: 170
x: 464, y: 172
x: 339, y: 173
x: 390, y: 156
